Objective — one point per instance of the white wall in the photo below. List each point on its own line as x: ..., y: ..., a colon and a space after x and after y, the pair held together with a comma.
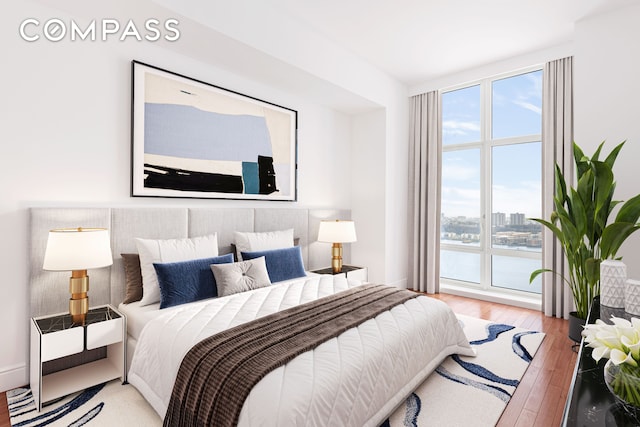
x: 65, y: 120
x: 270, y: 32
x: 397, y: 191
x: 368, y: 153
x: 606, y: 91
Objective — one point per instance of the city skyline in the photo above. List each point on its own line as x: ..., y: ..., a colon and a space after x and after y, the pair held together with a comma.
x: 508, y: 217
x: 517, y: 231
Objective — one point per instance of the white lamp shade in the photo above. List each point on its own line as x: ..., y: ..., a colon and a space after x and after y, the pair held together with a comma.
x: 77, y: 249
x: 337, y: 231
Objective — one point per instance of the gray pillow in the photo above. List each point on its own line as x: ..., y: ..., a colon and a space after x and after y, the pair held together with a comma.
x: 240, y: 276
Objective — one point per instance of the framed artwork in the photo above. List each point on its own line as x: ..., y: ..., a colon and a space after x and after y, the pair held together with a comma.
x: 194, y: 139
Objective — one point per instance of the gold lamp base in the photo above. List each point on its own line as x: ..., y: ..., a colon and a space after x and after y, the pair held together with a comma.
x: 336, y: 258
x: 79, y: 301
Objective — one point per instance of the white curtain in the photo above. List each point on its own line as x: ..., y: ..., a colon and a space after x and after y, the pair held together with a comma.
x: 424, y: 193
x: 557, y: 138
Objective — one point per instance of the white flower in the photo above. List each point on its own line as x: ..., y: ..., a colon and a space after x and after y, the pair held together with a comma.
x: 620, y: 322
x: 619, y: 357
x: 600, y: 352
x: 619, y: 341
x: 633, y: 344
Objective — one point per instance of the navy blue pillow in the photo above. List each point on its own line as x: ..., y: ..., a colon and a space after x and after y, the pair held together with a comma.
x: 282, y: 264
x: 188, y: 281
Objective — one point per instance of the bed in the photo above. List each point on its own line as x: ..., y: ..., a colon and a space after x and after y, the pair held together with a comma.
x: 357, y: 377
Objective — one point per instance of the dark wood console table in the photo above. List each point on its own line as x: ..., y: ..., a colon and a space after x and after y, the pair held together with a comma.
x: 589, y: 402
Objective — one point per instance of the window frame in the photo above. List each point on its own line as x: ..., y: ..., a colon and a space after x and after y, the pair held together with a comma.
x: 485, y: 250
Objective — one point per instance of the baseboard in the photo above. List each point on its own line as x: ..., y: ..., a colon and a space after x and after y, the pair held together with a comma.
x: 402, y: 284
x: 13, y: 376
x: 532, y: 303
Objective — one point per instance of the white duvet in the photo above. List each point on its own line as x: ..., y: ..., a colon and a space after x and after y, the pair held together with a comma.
x: 355, y: 379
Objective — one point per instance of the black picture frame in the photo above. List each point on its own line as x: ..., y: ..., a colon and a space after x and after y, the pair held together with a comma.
x: 192, y: 139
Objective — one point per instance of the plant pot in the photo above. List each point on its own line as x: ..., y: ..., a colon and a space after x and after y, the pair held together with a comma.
x: 576, y: 325
x: 623, y: 381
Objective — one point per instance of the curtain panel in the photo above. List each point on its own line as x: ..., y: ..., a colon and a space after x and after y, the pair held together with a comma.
x: 424, y: 193
x: 557, y: 138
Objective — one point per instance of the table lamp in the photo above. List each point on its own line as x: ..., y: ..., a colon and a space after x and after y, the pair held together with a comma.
x: 337, y: 232
x: 78, y: 249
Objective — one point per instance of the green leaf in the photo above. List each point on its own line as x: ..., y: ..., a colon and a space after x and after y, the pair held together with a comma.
x: 579, y: 213
x: 611, y: 158
x: 561, y: 187
x: 614, y: 236
x: 556, y: 231
x: 596, y: 154
x: 580, y: 160
x: 537, y: 273
x: 603, y: 182
x: 571, y: 235
x: 592, y: 270
x: 629, y: 211
x: 578, y: 154
x: 585, y: 190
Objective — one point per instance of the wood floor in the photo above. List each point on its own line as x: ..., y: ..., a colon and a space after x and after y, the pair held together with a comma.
x: 540, y: 397
x: 4, y: 411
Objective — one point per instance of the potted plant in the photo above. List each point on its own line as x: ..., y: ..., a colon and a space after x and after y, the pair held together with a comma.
x: 580, y: 221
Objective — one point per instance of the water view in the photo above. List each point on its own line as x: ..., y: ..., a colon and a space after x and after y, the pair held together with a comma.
x: 512, y: 232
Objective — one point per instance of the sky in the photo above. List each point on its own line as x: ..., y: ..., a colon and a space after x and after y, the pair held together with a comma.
x: 516, y: 169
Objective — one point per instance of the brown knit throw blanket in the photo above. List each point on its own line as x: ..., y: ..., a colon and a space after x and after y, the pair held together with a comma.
x: 218, y: 373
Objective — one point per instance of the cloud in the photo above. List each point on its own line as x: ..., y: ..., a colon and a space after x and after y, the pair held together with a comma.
x: 457, y: 172
x: 454, y: 126
x: 457, y: 201
x: 521, y: 197
x: 536, y: 80
x: 528, y: 106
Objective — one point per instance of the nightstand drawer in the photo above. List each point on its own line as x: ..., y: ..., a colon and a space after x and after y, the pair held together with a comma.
x: 62, y: 343
x: 104, y: 333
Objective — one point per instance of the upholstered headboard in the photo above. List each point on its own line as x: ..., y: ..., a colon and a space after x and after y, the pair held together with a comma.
x: 48, y: 289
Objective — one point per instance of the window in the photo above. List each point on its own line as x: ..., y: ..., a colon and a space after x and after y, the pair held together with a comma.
x: 491, y: 183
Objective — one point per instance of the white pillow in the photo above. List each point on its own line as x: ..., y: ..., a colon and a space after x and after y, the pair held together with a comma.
x: 170, y: 250
x: 264, y: 241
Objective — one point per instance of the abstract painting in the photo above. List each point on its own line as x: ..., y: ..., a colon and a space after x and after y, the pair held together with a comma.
x: 194, y: 139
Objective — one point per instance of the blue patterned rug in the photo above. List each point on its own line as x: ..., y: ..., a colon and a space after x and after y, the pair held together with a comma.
x: 110, y: 404
x: 464, y: 391
x: 472, y: 391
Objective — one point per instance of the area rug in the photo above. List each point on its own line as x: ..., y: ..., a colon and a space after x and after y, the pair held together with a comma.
x: 472, y: 391
x: 109, y: 404
x: 464, y: 391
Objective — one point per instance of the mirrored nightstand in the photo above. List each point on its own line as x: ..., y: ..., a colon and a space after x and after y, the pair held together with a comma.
x: 350, y: 271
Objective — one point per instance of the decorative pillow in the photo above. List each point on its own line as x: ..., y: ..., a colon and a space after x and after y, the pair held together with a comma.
x: 132, y: 278
x: 251, y: 242
x: 282, y: 264
x: 238, y: 255
x: 240, y: 276
x: 170, y: 250
x: 188, y: 281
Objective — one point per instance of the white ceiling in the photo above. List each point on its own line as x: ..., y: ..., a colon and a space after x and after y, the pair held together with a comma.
x: 418, y: 40
x: 413, y: 41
